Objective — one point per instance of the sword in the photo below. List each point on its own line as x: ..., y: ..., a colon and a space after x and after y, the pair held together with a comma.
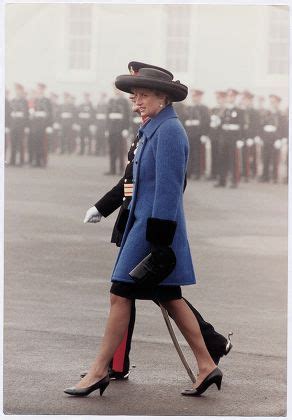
x: 176, y: 344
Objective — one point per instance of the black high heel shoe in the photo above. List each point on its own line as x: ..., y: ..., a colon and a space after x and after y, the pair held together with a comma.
x: 83, y: 392
x: 215, y: 377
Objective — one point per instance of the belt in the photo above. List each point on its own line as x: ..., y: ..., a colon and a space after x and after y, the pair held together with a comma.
x: 17, y: 114
x: 231, y: 127
x: 115, y: 116
x: 100, y: 116
x: 41, y: 114
x: 83, y: 115
x: 190, y: 123
x: 270, y: 128
x: 66, y: 115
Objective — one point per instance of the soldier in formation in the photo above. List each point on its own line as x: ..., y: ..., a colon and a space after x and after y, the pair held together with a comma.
x: 85, y: 121
x: 18, y: 121
x: 235, y: 140
x: 118, y: 122
x: 196, y: 123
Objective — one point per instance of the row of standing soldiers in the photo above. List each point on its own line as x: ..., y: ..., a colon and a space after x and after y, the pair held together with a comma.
x: 236, y: 141
x: 230, y: 141
x: 41, y: 125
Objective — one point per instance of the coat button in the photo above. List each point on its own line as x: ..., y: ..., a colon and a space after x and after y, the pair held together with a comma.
x: 124, y: 198
x: 136, y: 162
x: 133, y: 144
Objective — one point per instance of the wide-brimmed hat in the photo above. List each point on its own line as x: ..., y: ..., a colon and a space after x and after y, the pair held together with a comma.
x: 135, y: 66
x: 150, y: 78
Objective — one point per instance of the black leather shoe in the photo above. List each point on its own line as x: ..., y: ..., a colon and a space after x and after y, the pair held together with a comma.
x: 216, y: 357
x: 83, y: 392
x: 215, y: 377
x: 219, y: 184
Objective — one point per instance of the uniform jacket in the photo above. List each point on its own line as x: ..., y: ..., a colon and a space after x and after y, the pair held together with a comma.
x: 251, y: 127
x: 85, y: 116
x: 42, y: 115
x: 118, y: 115
x: 115, y: 198
x: 7, y: 113
x: 67, y: 115
x: 159, y: 176
x: 271, y: 125
x: 19, y: 117
x: 215, y: 121
x: 199, y: 114
x: 235, y: 117
x: 100, y: 116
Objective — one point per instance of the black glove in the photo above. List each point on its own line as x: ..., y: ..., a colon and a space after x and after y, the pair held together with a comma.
x: 154, y: 268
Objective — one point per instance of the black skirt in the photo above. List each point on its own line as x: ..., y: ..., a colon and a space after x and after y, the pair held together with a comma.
x: 133, y: 291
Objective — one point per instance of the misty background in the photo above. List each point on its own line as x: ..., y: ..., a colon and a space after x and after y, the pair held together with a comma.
x: 77, y: 48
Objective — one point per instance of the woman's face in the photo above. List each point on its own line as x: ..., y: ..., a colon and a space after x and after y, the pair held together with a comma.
x: 148, y: 102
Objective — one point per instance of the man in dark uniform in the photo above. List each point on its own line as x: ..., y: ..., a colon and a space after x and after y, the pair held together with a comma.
x: 251, y: 129
x: 18, y: 123
x: 197, y: 122
x: 85, y: 120
x: 66, y: 118
x: 118, y: 121
x: 40, y: 126
x: 54, y: 138
x: 120, y: 196
x: 100, y: 123
x: 271, y: 134
x: 230, y: 136
x: 216, y: 114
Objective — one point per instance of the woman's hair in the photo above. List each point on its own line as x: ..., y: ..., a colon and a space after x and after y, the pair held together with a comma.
x: 160, y: 93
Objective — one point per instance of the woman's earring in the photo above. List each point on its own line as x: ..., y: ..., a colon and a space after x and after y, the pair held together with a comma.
x: 161, y: 105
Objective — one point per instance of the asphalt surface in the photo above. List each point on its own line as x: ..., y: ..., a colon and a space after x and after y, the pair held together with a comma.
x: 57, y: 284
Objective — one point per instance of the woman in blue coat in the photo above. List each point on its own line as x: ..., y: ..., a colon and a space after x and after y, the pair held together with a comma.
x: 155, y: 228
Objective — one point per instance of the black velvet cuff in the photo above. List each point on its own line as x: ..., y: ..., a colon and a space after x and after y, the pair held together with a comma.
x: 160, y: 231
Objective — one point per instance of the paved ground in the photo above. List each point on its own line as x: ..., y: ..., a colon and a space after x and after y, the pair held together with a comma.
x: 56, y: 297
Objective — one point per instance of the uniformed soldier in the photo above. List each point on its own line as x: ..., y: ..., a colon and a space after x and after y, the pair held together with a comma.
x: 118, y: 122
x: 271, y: 135
x: 76, y: 125
x: 197, y: 123
x: 120, y: 196
x: 54, y: 138
x: 230, y: 141
x: 67, y: 117
x: 251, y: 129
x: 216, y: 114
x: 41, y: 126
x: 18, y: 122
x: 85, y: 120
x: 100, y: 123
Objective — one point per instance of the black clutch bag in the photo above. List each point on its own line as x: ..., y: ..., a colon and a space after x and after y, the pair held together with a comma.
x: 154, y: 268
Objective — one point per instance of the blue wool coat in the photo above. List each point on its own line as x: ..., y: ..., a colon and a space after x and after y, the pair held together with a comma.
x: 159, y: 172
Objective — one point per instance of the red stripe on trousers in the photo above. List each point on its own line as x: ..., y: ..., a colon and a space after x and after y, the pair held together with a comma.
x: 119, y: 356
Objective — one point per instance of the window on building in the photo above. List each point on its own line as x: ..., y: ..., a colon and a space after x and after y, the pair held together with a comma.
x: 278, y: 47
x: 177, y: 37
x: 80, y: 33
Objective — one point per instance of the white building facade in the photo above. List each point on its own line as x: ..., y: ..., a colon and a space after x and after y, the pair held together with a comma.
x: 76, y: 48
